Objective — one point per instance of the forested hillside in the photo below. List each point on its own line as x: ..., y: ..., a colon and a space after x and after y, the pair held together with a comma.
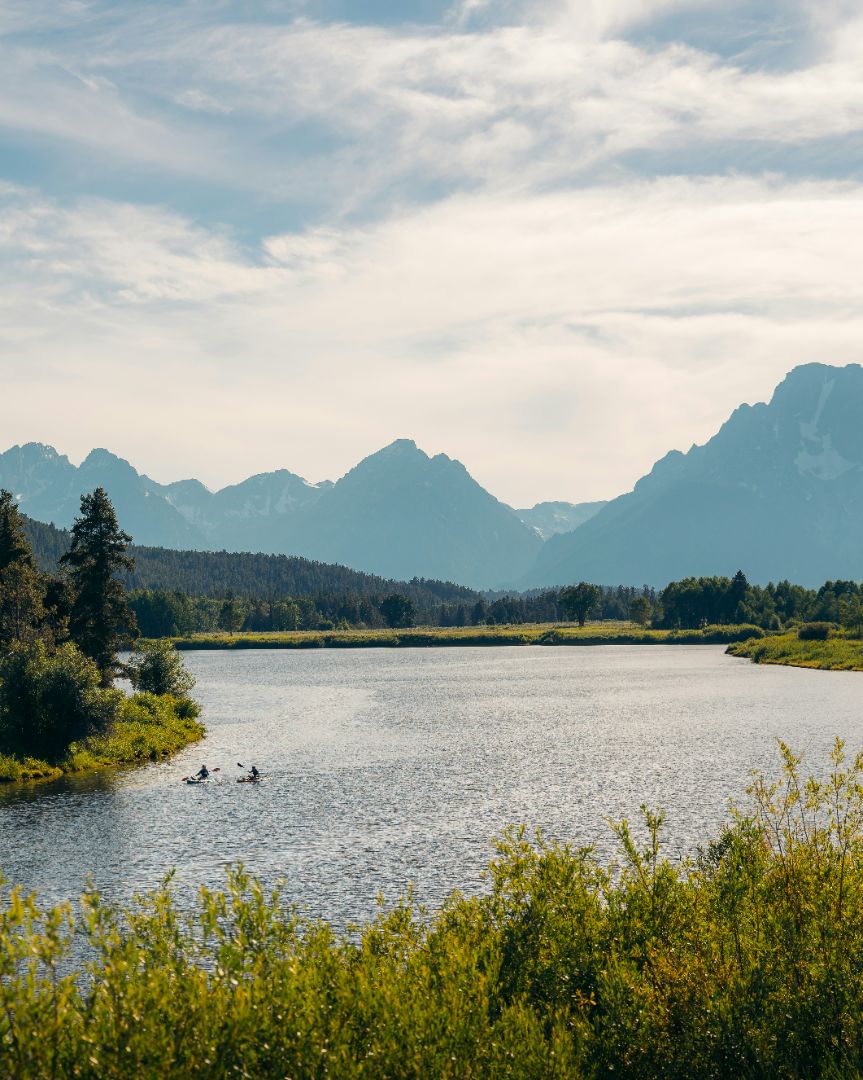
x: 239, y: 574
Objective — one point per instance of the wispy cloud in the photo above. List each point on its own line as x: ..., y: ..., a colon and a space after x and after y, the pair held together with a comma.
x: 631, y: 320
x: 528, y: 231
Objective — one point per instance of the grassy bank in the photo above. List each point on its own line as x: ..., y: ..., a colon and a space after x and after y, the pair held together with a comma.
x: 834, y: 654
x: 148, y: 728
x: 420, y: 637
x: 742, y: 962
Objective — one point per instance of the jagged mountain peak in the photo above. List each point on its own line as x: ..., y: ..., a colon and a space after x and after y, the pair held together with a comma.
x: 778, y: 490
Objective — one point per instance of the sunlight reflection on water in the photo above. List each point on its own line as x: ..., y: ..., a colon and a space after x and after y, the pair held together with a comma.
x: 390, y: 767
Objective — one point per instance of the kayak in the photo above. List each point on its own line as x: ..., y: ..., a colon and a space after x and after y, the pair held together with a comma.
x: 250, y: 779
x: 192, y: 780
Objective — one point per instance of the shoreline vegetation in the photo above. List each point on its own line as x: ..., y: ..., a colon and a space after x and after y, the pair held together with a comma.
x: 454, y: 636
x: 149, y: 727
x: 833, y: 653
x: 60, y: 639
x: 740, y: 961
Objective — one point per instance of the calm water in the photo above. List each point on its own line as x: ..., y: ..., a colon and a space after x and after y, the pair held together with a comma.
x: 395, y: 767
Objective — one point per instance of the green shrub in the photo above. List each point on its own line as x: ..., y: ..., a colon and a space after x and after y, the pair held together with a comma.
x: 48, y: 699
x: 815, y: 631
x: 157, y: 668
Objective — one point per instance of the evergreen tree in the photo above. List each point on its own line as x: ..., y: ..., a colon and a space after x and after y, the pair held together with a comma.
x: 101, y: 620
x: 22, y: 589
x: 13, y: 543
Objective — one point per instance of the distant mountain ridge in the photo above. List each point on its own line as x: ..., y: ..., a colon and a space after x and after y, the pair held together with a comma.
x: 777, y: 491
x: 398, y: 514
x: 550, y: 518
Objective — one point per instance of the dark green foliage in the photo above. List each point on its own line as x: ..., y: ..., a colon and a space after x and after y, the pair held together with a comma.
x: 101, y: 621
x: 157, y: 668
x: 231, y: 616
x: 640, y: 610
x: 579, y: 601
x: 398, y: 611
x: 14, y: 547
x: 22, y: 587
x: 49, y: 699
x: 815, y: 631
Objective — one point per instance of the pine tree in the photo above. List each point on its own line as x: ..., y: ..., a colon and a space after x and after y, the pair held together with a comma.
x: 13, y: 543
x: 101, y: 620
x: 22, y: 588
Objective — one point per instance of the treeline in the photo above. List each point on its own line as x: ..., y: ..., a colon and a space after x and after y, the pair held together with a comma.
x: 172, y: 613
x: 696, y: 602
x: 245, y: 576
x: 183, y: 592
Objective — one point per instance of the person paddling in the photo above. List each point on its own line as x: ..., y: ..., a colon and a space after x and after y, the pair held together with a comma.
x: 253, y: 772
x: 202, y: 773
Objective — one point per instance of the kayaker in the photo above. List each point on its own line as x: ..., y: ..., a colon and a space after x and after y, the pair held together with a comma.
x: 202, y: 773
x: 254, y: 773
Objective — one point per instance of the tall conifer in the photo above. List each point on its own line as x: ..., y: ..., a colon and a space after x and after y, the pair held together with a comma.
x: 22, y: 589
x: 101, y: 620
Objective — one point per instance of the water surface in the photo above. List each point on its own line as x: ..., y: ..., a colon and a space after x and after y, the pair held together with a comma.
x: 391, y: 767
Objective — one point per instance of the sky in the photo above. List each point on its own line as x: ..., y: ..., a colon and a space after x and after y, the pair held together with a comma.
x: 551, y: 238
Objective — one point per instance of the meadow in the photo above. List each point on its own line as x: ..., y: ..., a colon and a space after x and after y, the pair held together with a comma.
x: 836, y: 653
x: 424, y: 637
x: 743, y: 961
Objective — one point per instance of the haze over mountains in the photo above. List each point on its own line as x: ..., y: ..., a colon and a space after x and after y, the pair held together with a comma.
x: 399, y: 513
x: 777, y: 491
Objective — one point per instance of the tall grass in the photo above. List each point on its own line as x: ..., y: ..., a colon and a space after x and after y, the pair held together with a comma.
x: 837, y: 653
x: 743, y: 962
x: 419, y: 637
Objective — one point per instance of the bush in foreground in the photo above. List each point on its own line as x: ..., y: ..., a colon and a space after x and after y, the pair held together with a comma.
x: 742, y: 962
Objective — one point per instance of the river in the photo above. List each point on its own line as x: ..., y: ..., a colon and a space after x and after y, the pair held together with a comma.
x: 390, y: 767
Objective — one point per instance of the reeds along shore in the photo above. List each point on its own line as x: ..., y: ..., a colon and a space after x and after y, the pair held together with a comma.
x: 835, y: 653
x: 420, y: 637
x: 743, y: 961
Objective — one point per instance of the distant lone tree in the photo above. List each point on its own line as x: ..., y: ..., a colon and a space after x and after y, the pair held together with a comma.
x: 640, y: 610
x: 398, y: 611
x: 231, y: 616
x: 101, y: 621
x: 578, y: 601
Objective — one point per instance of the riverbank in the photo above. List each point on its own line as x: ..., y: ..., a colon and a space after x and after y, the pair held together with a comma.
x: 834, y: 654
x: 149, y: 728
x: 741, y: 962
x: 454, y: 636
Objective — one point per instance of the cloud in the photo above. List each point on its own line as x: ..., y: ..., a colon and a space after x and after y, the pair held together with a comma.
x: 557, y: 343
x: 525, y: 236
x: 342, y: 118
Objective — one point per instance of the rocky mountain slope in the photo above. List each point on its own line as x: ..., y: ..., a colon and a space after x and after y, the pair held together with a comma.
x: 778, y: 492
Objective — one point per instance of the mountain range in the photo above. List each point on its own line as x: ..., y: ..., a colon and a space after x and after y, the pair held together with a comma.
x: 778, y: 492
x: 398, y: 514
